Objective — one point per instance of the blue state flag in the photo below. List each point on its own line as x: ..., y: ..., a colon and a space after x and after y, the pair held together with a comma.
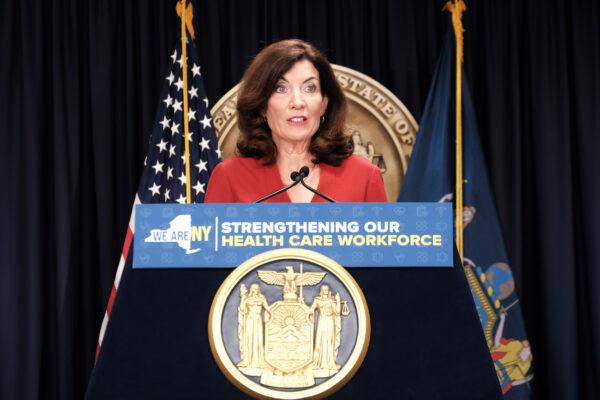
x: 430, y: 177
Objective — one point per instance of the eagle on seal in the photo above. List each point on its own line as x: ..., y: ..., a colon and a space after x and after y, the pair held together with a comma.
x: 290, y: 280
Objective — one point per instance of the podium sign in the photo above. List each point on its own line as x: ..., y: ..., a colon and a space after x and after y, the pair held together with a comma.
x: 352, y: 234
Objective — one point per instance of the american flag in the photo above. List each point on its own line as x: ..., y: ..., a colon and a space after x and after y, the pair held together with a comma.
x: 163, y: 179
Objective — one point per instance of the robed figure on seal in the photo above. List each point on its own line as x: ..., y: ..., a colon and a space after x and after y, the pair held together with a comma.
x: 328, y: 332
x: 251, y: 330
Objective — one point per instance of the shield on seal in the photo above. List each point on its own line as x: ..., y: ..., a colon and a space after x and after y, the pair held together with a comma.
x: 289, y: 336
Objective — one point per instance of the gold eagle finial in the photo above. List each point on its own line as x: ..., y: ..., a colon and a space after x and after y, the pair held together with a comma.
x: 189, y: 16
x: 457, y: 8
x: 290, y: 280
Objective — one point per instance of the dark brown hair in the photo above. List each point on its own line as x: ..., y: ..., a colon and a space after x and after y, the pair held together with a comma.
x: 329, y: 144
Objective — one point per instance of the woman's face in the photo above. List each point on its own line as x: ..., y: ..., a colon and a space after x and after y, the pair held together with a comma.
x: 295, y: 108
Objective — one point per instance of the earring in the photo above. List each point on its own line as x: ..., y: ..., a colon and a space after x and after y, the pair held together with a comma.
x: 322, y: 118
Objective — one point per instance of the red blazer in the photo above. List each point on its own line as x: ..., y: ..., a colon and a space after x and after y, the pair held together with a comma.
x: 245, y: 180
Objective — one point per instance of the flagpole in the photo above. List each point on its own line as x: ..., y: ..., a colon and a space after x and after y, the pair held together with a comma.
x: 181, y: 11
x: 456, y: 8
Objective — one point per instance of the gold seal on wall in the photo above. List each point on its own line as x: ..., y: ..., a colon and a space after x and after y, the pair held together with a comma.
x: 383, y: 129
x: 289, y: 324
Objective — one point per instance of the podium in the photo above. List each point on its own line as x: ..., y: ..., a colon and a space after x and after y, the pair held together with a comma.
x: 426, y: 340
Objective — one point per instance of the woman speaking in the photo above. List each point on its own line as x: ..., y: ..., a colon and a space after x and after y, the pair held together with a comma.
x: 292, y: 114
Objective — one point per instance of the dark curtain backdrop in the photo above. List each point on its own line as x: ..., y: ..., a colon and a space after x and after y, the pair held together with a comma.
x: 79, y: 86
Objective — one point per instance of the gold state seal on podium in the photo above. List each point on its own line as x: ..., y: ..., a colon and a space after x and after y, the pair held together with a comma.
x: 289, y: 324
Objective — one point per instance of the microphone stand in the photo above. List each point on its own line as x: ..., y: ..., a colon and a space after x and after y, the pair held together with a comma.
x: 303, y: 173
x: 295, y: 177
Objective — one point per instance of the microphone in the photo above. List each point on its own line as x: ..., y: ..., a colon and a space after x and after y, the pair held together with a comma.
x: 296, y: 178
x: 303, y: 173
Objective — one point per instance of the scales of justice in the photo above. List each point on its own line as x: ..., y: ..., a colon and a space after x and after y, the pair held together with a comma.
x: 287, y: 343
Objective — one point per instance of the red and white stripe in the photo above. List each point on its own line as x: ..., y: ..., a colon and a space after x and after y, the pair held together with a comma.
x: 120, y: 268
